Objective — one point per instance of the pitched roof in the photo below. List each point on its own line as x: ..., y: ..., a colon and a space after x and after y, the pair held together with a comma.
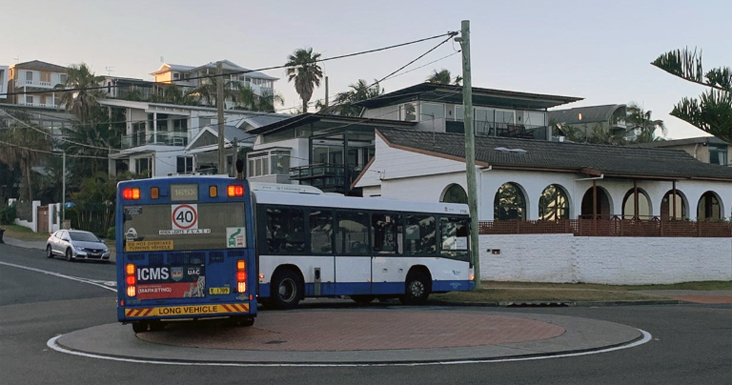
x: 481, y: 97
x: 40, y: 66
x: 310, y: 118
x: 703, y: 140
x: 526, y: 154
x: 590, y: 114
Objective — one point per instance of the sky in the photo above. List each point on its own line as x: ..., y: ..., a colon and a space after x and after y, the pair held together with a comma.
x: 599, y: 51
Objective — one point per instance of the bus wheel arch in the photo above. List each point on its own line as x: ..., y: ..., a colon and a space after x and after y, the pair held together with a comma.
x: 287, y: 287
x: 418, y: 286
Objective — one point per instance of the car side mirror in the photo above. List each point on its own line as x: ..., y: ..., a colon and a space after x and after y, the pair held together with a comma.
x: 66, y: 239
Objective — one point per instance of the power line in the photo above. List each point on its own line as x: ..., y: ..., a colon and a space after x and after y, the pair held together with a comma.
x: 450, y: 34
x: 51, y: 152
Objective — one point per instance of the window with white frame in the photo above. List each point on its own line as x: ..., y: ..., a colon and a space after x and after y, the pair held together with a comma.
x: 432, y: 112
x: 62, y: 78
x: 28, y: 99
x: 408, y: 112
x: 29, y: 76
x: 143, y: 166
x: 273, y: 162
x: 176, y: 75
x: 184, y: 165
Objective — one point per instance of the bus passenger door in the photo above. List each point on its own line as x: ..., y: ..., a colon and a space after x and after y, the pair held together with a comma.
x: 353, y: 259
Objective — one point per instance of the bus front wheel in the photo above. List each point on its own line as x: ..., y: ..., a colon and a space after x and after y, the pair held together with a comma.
x: 287, y: 289
x: 417, y: 289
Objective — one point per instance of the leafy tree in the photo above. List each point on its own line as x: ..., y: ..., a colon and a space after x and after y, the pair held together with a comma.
x: 640, y: 120
x: 206, y: 92
x: 302, y: 67
x: 248, y: 100
x: 173, y: 94
x: 712, y: 111
x: 344, y: 101
x: 83, y: 101
x: 444, y: 77
x: 23, y: 145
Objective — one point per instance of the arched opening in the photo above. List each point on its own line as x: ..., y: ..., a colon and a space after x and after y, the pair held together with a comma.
x: 553, y: 203
x: 454, y: 193
x: 509, y: 203
x: 709, y: 208
x: 602, y: 204
x: 674, y: 206
x: 644, y: 205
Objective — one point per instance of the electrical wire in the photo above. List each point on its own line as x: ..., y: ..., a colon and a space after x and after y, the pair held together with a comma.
x: 450, y: 34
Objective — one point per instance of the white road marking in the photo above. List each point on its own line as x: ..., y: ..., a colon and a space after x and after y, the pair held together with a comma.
x: 52, y: 343
x: 99, y: 283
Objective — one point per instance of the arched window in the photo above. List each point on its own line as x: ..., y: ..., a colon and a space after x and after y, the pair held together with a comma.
x: 602, y: 204
x: 674, y: 207
x: 553, y: 203
x: 710, y: 207
x: 644, y: 205
x: 509, y: 202
x: 454, y: 194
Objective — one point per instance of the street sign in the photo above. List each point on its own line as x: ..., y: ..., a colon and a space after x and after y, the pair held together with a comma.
x: 185, y: 217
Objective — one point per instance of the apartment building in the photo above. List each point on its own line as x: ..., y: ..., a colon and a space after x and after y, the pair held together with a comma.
x: 32, y: 83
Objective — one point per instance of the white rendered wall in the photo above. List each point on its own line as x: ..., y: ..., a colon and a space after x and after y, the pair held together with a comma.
x: 609, y: 260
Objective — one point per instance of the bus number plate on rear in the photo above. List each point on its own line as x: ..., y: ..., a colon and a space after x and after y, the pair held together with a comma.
x: 218, y: 290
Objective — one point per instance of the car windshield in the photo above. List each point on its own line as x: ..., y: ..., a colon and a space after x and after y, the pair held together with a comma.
x: 84, y: 237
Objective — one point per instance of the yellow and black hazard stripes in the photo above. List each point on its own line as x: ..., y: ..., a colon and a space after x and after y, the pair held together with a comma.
x: 187, y: 310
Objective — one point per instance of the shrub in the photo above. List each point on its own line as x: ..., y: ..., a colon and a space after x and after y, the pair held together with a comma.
x: 110, y: 233
x: 7, y: 215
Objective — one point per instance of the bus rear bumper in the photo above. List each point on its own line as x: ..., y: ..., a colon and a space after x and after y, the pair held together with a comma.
x: 139, y: 313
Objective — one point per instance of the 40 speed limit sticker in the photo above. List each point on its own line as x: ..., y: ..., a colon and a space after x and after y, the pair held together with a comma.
x: 184, y: 220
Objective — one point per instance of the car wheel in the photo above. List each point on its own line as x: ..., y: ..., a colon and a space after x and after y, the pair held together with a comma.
x: 49, y: 252
x: 287, y: 289
x: 417, y: 289
x: 69, y: 255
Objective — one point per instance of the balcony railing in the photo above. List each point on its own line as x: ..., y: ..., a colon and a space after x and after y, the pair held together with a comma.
x: 33, y: 83
x: 613, y: 227
x: 47, y: 105
x: 509, y: 130
x: 326, y: 176
x: 164, y: 138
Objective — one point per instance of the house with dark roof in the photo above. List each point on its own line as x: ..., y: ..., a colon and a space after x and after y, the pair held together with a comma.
x: 708, y: 149
x: 329, y: 151
x: 533, y: 179
x: 32, y: 83
x: 609, y: 118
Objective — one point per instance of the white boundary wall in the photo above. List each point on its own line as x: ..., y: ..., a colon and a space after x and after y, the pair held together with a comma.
x: 608, y: 260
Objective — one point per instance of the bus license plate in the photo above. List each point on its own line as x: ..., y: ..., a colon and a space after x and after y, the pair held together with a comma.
x: 218, y: 290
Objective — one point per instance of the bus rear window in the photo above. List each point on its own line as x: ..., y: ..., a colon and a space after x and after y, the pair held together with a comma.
x: 184, y: 226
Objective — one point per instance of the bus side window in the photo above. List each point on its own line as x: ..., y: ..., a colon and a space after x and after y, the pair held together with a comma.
x: 387, y: 233
x: 352, y: 237
x: 420, y: 233
x: 454, y: 237
x: 285, y: 230
x: 321, y: 232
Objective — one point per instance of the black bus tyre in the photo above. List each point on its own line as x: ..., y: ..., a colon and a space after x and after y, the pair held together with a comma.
x: 139, y: 326
x: 69, y: 255
x: 287, y: 289
x: 49, y: 252
x: 242, y: 321
x: 363, y: 299
x: 417, y: 289
x: 156, y: 326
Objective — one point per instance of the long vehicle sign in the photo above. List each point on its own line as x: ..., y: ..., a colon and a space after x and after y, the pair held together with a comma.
x: 187, y: 310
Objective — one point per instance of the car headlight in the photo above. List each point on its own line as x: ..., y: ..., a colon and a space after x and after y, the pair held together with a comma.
x: 79, y: 248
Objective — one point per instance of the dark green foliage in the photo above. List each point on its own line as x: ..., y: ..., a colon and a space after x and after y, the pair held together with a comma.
x: 7, y: 215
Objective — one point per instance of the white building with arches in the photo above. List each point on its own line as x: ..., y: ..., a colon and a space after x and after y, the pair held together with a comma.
x: 531, y: 180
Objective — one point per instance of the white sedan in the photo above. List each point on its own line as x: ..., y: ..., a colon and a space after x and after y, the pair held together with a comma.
x: 76, y: 244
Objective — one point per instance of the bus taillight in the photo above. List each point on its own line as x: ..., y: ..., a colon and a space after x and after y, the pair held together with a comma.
x: 131, y: 193
x: 131, y: 280
x: 241, y: 275
x: 235, y: 191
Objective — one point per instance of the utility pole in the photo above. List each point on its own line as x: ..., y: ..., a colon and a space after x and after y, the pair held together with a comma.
x: 220, y: 109
x: 63, y: 190
x: 470, y: 150
x: 326, y: 92
x: 234, y: 145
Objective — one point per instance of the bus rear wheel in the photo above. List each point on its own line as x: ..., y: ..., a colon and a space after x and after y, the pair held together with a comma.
x: 139, y: 326
x: 287, y: 289
x: 417, y: 289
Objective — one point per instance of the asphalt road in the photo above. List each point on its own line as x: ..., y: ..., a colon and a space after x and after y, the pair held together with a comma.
x: 692, y: 344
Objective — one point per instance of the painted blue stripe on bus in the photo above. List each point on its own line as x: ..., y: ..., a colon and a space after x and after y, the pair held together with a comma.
x: 381, y: 288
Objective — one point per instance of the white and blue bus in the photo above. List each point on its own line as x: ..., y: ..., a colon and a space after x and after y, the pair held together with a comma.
x: 311, y: 244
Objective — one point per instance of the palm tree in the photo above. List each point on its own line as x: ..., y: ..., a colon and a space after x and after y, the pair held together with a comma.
x: 344, y: 101
x: 712, y: 112
x: 303, y: 68
x: 23, y: 145
x: 444, y: 77
x: 173, y: 94
x: 83, y: 101
x: 639, y: 119
x: 248, y: 100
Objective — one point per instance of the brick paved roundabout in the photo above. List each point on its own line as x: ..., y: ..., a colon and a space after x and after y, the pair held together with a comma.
x: 356, y: 336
